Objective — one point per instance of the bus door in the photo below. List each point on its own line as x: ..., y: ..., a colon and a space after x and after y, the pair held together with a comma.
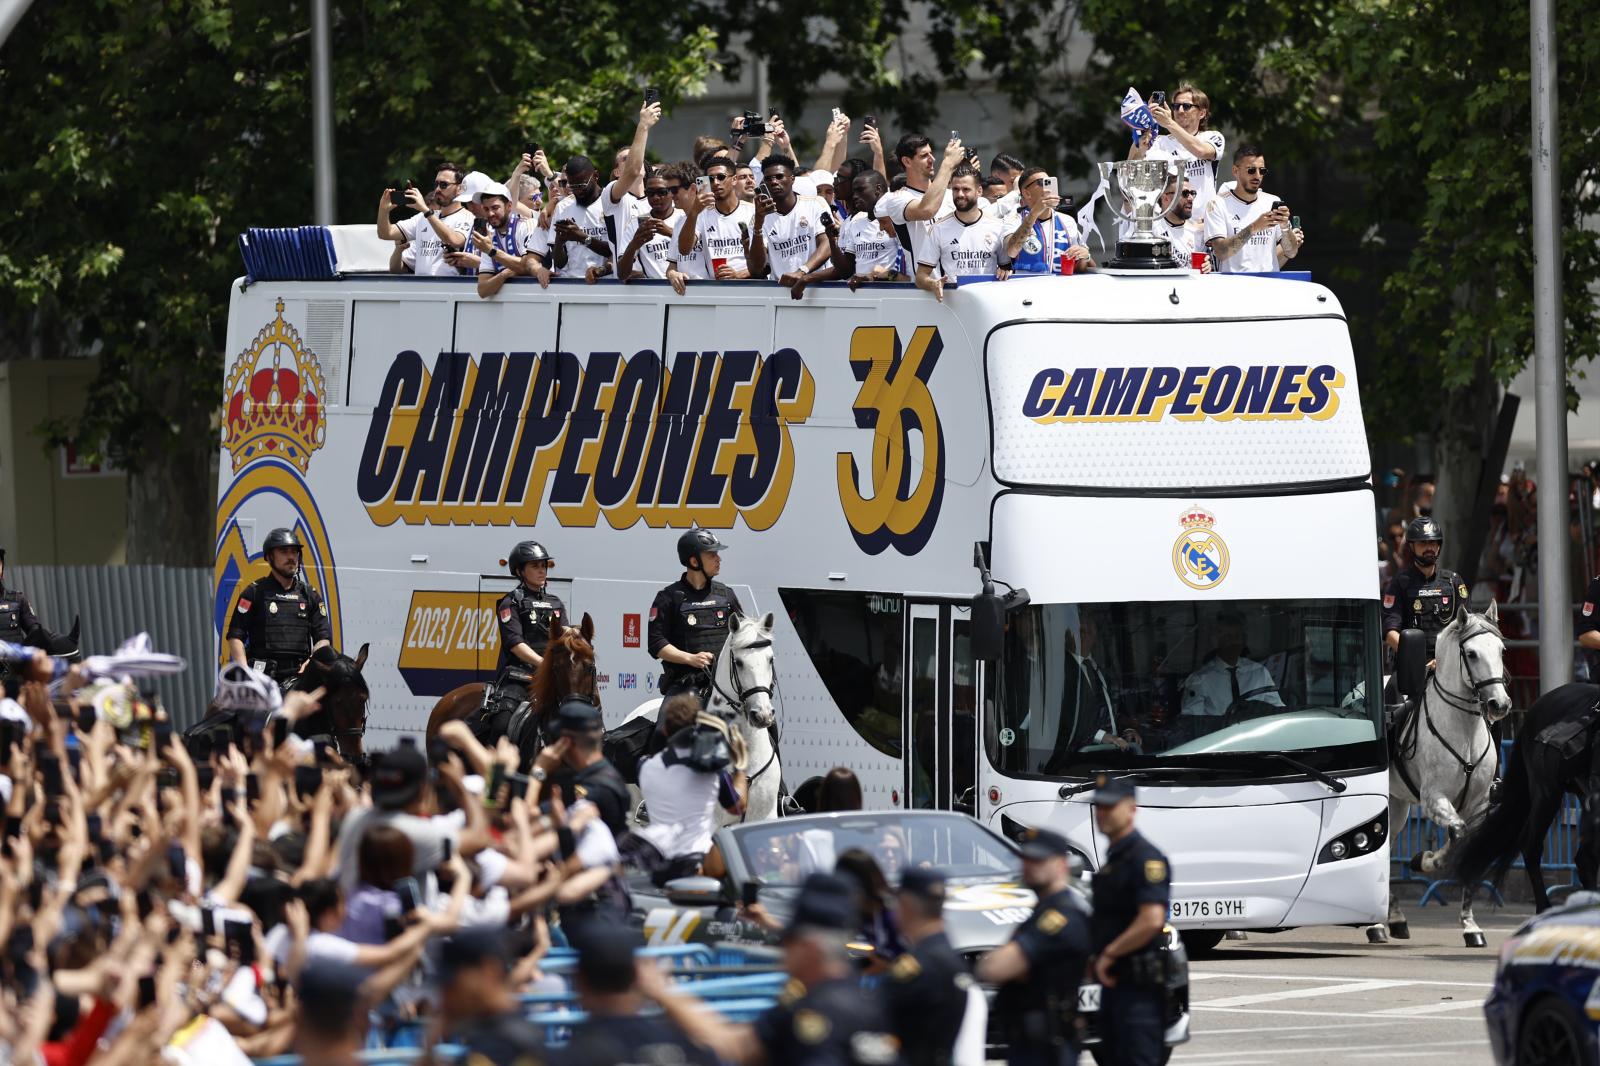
x: 940, y: 709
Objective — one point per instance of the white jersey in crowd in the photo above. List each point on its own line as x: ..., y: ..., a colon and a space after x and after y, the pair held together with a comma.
x: 792, y: 238
x: 424, y: 252
x: 726, y: 236
x: 592, y: 221
x: 621, y: 215
x: 693, y: 265
x: 863, y: 236
x: 652, y: 257
x: 1202, y: 173
x: 683, y: 807
x: 966, y: 249
x: 1227, y: 216
x: 521, y: 237
x: 914, y: 236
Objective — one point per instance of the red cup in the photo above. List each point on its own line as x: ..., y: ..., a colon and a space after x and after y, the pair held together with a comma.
x: 716, y: 266
x: 1198, y: 259
x: 1068, y: 265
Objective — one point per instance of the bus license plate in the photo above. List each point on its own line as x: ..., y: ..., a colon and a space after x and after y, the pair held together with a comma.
x: 1088, y: 997
x: 1206, y: 908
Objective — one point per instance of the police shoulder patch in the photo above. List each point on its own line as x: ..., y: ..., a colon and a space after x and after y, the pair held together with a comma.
x: 505, y: 614
x: 811, y: 1027
x: 1462, y: 590
x: 793, y: 990
x: 905, y: 968
x: 244, y: 606
x: 1155, y: 871
x: 1052, y: 922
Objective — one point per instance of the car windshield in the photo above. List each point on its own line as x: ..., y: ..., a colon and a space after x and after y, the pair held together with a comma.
x: 783, y: 852
x: 1227, y: 688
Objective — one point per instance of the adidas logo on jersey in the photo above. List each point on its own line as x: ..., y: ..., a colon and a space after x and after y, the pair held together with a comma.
x: 955, y: 240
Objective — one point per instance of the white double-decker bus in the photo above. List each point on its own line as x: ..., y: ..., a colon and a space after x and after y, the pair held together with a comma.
x: 1174, y: 467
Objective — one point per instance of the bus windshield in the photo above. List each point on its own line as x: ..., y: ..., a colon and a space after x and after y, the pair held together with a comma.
x: 1186, y: 687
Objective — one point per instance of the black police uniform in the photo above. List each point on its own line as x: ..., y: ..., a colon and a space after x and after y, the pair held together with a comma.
x: 18, y: 625
x: 1133, y: 1011
x: 1589, y: 622
x: 834, y: 1023
x: 925, y: 991
x: 278, y: 625
x: 612, y: 1039
x: 691, y: 620
x: 1414, y: 601
x: 1038, y: 1014
x: 526, y: 616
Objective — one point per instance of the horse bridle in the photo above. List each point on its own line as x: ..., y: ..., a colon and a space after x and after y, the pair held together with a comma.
x: 1473, y: 701
x: 744, y: 691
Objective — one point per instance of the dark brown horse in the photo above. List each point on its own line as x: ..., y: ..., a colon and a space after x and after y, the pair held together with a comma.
x: 566, y: 670
x: 343, y: 713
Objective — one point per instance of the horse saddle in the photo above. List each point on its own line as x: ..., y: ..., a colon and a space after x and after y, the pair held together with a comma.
x: 1570, y: 736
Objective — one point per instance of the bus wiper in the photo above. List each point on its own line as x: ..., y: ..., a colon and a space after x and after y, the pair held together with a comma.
x: 1141, y: 773
x: 1334, y: 784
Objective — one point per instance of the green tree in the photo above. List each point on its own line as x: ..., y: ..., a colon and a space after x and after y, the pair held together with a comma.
x: 143, y: 138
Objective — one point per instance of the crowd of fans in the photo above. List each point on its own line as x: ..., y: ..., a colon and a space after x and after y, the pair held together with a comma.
x: 914, y: 211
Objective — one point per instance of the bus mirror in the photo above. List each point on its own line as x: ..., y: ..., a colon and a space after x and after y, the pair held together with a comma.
x: 989, y: 612
x: 1411, y: 663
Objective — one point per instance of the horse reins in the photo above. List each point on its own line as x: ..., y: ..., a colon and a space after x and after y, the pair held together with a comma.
x: 744, y: 694
x: 1471, y: 703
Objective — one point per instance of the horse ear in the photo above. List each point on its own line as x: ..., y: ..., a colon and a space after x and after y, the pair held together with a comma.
x: 586, y: 630
x: 73, y: 636
x: 361, y: 657
x: 1493, y: 613
x: 767, y: 622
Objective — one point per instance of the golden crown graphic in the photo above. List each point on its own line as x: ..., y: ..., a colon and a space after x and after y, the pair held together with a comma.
x: 275, y: 399
x: 1197, y: 518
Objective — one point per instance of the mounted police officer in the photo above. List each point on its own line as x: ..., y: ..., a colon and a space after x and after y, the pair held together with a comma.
x: 1131, y: 893
x: 1039, y: 970
x: 281, y: 619
x: 1423, y: 595
x: 690, y: 619
x: 18, y: 625
x: 529, y: 615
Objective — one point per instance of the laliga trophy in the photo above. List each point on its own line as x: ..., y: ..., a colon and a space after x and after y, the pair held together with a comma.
x: 1141, y: 183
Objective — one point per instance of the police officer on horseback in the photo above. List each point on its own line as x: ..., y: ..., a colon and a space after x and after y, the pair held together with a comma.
x: 529, y: 615
x: 1424, y: 595
x: 18, y: 625
x: 280, y: 619
x: 691, y: 618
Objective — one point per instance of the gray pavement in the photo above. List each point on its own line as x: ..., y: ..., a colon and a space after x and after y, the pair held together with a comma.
x: 1326, y: 995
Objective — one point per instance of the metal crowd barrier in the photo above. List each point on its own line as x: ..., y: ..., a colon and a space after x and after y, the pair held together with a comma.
x: 1419, y: 833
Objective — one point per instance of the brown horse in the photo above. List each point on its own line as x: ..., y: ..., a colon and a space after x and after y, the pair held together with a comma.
x: 566, y: 670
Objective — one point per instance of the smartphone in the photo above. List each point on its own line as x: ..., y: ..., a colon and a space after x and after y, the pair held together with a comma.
x: 954, y: 136
x: 448, y: 847
x: 410, y: 894
x: 491, y: 787
x: 652, y: 95
x: 1158, y: 97
x: 177, y: 863
x: 702, y: 184
x: 238, y: 935
x: 763, y: 190
x: 480, y: 225
x: 280, y: 731
x: 750, y: 893
x: 772, y: 113
x: 204, y: 774
x: 397, y: 196
x: 208, y: 921
x: 86, y: 719
x: 163, y: 731
x: 1294, y: 221
x: 63, y: 710
x: 96, y: 827
x: 307, y: 780
x: 147, y: 991
x: 836, y: 113
x: 252, y: 788
x: 1050, y: 186
x: 870, y: 120
x: 50, y: 769
x: 519, y: 785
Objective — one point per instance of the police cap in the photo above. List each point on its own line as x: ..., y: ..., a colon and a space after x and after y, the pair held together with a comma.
x: 280, y: 538
x: 528, y: 551
x: 826, y: 901
x: 397, y: 777
x: 1040, y: 844
x: 924, y: 883
x: 605, y: 956
x: 578, y: 715
x: 471, y: 947
x: 696, y: 541
x: 1424, y: 528
x: 330, y: 995
x: 1110, y: 791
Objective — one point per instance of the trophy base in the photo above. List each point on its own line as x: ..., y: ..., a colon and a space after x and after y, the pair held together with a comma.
x: 1144, y: 255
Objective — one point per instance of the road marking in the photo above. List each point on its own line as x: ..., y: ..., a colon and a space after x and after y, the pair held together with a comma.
x: 1288, y: 1012
x: 1255, y: 976
x: 1411, y: 1051
x: 1257, y: 1030
x: 1431, y: 1008
x: 1371, y: 985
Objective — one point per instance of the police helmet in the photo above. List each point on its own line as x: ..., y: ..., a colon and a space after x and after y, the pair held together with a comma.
x: 1424, y: 529
x: 696, y: 541
x: 527, y: 551
x: 280, y: 538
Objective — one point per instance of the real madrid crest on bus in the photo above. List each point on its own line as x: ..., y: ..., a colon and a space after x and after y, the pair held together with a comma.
x: 1199, y: 555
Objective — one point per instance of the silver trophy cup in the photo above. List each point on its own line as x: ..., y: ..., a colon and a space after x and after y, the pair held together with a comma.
x: 1140, y: 184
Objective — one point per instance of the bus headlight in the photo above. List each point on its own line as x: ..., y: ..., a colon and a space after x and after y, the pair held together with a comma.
x: 1362, y: 840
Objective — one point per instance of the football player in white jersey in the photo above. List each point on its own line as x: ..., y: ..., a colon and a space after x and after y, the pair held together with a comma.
x: 926, y: 195
x: 789, y: 241
x: 1247, y: 229
x: 719, y: 222
x: 645, y: 254
x: 581, y: 246
x: 968, y: 243
x: 1186, y: 120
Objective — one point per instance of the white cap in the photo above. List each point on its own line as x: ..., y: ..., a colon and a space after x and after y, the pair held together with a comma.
x: 804, y: 186
x: 472, y: 184
x: 493, y: 188
x: 821, y: 178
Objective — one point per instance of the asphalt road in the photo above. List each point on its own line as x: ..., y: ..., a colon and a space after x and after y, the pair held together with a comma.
x: 1325, y: 995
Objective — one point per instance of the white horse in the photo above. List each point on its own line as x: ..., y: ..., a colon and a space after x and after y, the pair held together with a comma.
x: 1444, y: 758
x: 742, y: 676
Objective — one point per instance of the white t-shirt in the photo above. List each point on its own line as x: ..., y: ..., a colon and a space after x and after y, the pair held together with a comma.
x: 1202, y: 173
x: 592, y: 221
x: 722, y: 237
x: 683, y: 807
x: 1209, y: 690
x: 914, y: 236
x: 522, y: 236
x: 279, y: 941
x: 1229, y: 215
x: 863, y: 237
x: 694, y: 265
x: 424, y: 253
x: 651, y: 258
x: 621, y: 214
x: 791, y: 239
x: 427, y: 836
x: 965, y: 249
